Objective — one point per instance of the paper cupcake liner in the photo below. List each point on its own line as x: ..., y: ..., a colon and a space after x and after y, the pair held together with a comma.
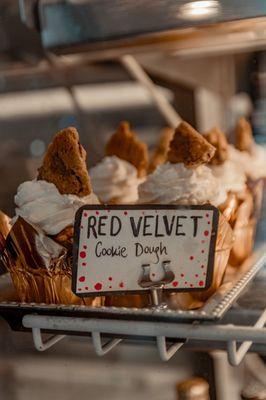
x: 223, y: 248
x: 244, y: 225
x: 244, y: 238
x: 40, y: 268
x: 256, y: 189
x: 49, y: 287
x: 4, y: 231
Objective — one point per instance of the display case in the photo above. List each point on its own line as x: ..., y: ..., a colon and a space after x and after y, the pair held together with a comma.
x: 156, y: 64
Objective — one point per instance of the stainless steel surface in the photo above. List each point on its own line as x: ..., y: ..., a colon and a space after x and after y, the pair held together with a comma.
x: 107, y: 30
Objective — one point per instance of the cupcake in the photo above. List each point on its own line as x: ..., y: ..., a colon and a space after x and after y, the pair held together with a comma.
x: 159, y: 155
x: 185, y: 179
x: 39, y: 244
x: 116, y: 180
x: 234, y: 180
x: 117, y: 177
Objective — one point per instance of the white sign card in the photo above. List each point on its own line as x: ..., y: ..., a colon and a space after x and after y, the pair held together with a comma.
x: 113, y: 243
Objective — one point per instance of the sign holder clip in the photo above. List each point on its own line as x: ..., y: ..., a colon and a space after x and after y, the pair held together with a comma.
x: 156, y: 288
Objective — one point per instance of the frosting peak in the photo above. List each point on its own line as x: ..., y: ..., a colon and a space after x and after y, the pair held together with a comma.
x: 41, y: 204
x: 115, y: 179
x: 232, y: 176
x: 176, y: 184
x: 253, y: 164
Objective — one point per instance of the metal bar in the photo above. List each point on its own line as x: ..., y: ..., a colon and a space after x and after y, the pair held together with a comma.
x: 144, y: 328
x: 102, y: 349
x: 163, y: 105
x: 235, y: 356
x: 39, y: 344
x: 164, y: 353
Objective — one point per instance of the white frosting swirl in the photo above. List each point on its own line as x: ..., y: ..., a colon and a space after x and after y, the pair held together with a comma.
x: 117, y: 179
x: 176, y: 184
x: 231, y: 175
x: 41, y: 204
x: 254, y: 164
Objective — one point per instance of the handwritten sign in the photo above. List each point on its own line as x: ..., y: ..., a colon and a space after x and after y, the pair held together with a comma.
x: 115, y: 246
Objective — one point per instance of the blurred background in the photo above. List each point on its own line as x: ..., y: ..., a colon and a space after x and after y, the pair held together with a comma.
x: 210, y: 76
x: 210, y: 79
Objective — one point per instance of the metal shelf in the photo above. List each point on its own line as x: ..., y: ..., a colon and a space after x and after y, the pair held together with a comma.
x: 238, y: 316
x: 229, y: 334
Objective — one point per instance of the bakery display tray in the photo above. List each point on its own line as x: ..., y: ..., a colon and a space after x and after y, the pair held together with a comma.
x: 235, y: 283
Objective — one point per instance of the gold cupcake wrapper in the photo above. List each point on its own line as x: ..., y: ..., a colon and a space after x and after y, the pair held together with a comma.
x: 39, y: 276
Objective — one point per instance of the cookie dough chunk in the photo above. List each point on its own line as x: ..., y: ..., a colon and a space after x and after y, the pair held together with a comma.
x: 65, y: 237
x: 218, y: 139
x: 189, y: 147
x: 244, y: 136
x: 125, y: 144
x: 64, y: 164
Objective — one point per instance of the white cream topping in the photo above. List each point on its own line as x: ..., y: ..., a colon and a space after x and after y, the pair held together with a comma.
x: 257, y: 168
x: 41, y: 204
x: 176, y: 184
x: 254, y: 164
x: 231, y: 175
x: 114, y: 178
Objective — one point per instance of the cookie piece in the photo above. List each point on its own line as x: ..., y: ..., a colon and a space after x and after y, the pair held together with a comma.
x: 64, y: 164
x: 244, y: 136
x: 65, y: 237
x: 189, y: 147
x: 218, y: 139
x: 160, y: 153
x: 125, y: 144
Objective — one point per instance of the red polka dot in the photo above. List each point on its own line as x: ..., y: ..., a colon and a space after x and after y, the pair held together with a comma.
x: 191, y: 258
x: 153, y: 275
x: 97, y: 213
x: 98, y: 286
x: 110, y: 287
x: 125, y: 212
x: 84, y: 264
x: 202, y: 266
x: 81, y: 226
x: 85, y: 214
x: 86, y: 288
x: 196, y: 275
x: 201, y: 283
x: 79, y: 289
x: 207, y: 215
x: 82, y: 279
x: 175, y: 283
x: 182, y: 275
x: 208, y: 222
x: 186, y: 283
x: 110, y: 278
x: 82, y: 254
x: 84, y: 246
x: 204, y: 273
x: 191, y: 285
x: 206, y: 233
x: 202, y: 251
x: 203, y: 241
x: 121, y: 284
